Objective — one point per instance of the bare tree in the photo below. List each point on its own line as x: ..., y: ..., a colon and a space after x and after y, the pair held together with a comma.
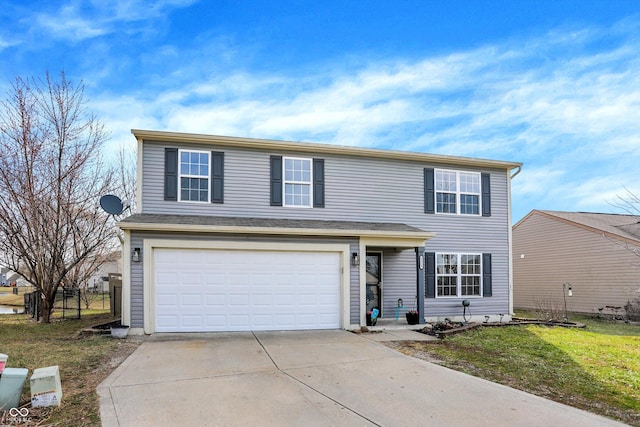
x: 629, y: 202
x: 126, y: 184
x: 51, y: 177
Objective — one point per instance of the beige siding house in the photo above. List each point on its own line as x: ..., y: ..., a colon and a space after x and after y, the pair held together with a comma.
x: 598, y: 254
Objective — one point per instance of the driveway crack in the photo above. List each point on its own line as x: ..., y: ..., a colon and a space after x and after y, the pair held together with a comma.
x: 311, y: 387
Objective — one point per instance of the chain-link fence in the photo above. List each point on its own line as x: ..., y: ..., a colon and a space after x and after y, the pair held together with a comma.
x: 66, y: 300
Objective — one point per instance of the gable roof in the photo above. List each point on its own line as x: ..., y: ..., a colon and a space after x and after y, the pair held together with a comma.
x: 306, y: 147
x: 618, y: 226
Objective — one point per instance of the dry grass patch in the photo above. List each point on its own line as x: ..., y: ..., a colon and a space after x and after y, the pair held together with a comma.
x: 84, y: 361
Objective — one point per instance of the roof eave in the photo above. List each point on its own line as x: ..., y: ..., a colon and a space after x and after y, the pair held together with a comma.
x: 403, y: 238
x: 269, y: 144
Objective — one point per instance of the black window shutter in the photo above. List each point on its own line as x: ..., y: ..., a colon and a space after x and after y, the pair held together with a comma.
x: 486, y: 275
x: 276, y: 180
x: 486, y: 194
x: 430, y: 275
x: 171, y: 174
x: 429, y: 191
x: 318, y: 183
x: 217, y: 177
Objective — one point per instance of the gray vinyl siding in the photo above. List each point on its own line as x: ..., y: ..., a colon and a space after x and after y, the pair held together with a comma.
x: 358, y: 189
x: 137, y: 279
x: 603, y: 272
x: 354, y: 289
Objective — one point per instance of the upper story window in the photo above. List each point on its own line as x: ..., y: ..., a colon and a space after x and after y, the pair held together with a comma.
x: 297, y: 182
x: 457, y: 192
x: 458, y: 275
x: 194, y: 176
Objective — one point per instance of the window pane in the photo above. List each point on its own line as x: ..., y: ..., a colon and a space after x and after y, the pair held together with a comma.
x: 192, y: 163
x: 194, y: 189
x: 469, y: 183
x: 447, y: 286
x: 297, y: 170
x: 297, y: 194
x: 306, y: 171
x: 446, y: 181
x: 469, y: 204
x: 446, y: 203
x: 470, y: 286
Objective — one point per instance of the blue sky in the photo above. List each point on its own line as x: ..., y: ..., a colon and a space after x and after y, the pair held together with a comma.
x: 552, y: 84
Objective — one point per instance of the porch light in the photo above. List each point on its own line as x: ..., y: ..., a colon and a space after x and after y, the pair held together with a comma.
x: 135, y: 255
x: 421, y: 262
x: 355, y: 259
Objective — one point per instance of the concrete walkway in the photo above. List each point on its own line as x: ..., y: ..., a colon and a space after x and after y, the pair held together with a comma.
x: 311, y: 378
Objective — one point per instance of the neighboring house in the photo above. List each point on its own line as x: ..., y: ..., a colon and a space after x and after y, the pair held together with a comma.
x: 99, y: 280
x: 14, y: 279
x: 597, y: 254
x: 239, y: 234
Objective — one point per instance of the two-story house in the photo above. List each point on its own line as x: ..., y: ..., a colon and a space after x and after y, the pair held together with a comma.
x: 235, y: 234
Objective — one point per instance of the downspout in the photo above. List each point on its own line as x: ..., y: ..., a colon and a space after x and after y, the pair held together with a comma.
x: 510, y: 237
x: 517, y: 172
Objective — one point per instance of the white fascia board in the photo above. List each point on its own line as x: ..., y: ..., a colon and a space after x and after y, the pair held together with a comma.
x: 384, y: 238
x: 307, y: 147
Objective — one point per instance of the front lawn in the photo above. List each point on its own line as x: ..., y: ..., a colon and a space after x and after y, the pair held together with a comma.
x: 84, y: 361
x: 596, y: 368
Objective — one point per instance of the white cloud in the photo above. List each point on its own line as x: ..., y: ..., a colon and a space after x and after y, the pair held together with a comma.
x: 80, y: 20
x: 568, y: 112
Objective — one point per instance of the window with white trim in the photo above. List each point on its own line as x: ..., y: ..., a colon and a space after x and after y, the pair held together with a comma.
x: 457, y: 192
x: 194, y: 176
x: 297, y: 182
x: 458, y: 275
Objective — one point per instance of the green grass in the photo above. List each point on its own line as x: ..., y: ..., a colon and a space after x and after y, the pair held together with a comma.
x: 84, y: 361
x: 596, y: 368
x: 8, y: 298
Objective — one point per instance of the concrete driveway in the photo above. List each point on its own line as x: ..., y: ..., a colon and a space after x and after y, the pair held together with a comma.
x: 310, y: 378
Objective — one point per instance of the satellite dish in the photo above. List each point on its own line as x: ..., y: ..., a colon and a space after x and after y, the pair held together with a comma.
x: 111, y: 204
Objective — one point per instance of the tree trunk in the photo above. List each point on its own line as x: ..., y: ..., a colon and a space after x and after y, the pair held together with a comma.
x: 47, y: 308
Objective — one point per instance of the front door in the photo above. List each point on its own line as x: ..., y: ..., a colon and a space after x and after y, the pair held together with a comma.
x: 374, y: 281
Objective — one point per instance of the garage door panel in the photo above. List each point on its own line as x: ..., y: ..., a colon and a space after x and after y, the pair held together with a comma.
x: 167, y: 321
x: 191, y: 300
x: 190, y: 321
x: 262, y: 300
x: 216, y: 322
x: 215, y: 300
x: 169, y: 300
x: 245, y: 290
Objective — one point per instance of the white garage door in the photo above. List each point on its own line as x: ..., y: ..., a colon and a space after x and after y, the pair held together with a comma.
x: 200, y: 290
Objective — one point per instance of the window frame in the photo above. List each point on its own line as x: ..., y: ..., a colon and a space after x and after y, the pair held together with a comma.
x: 308, y: 183
x: 181, y: 175
x: 459, y: 275
x: 457, y: 192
